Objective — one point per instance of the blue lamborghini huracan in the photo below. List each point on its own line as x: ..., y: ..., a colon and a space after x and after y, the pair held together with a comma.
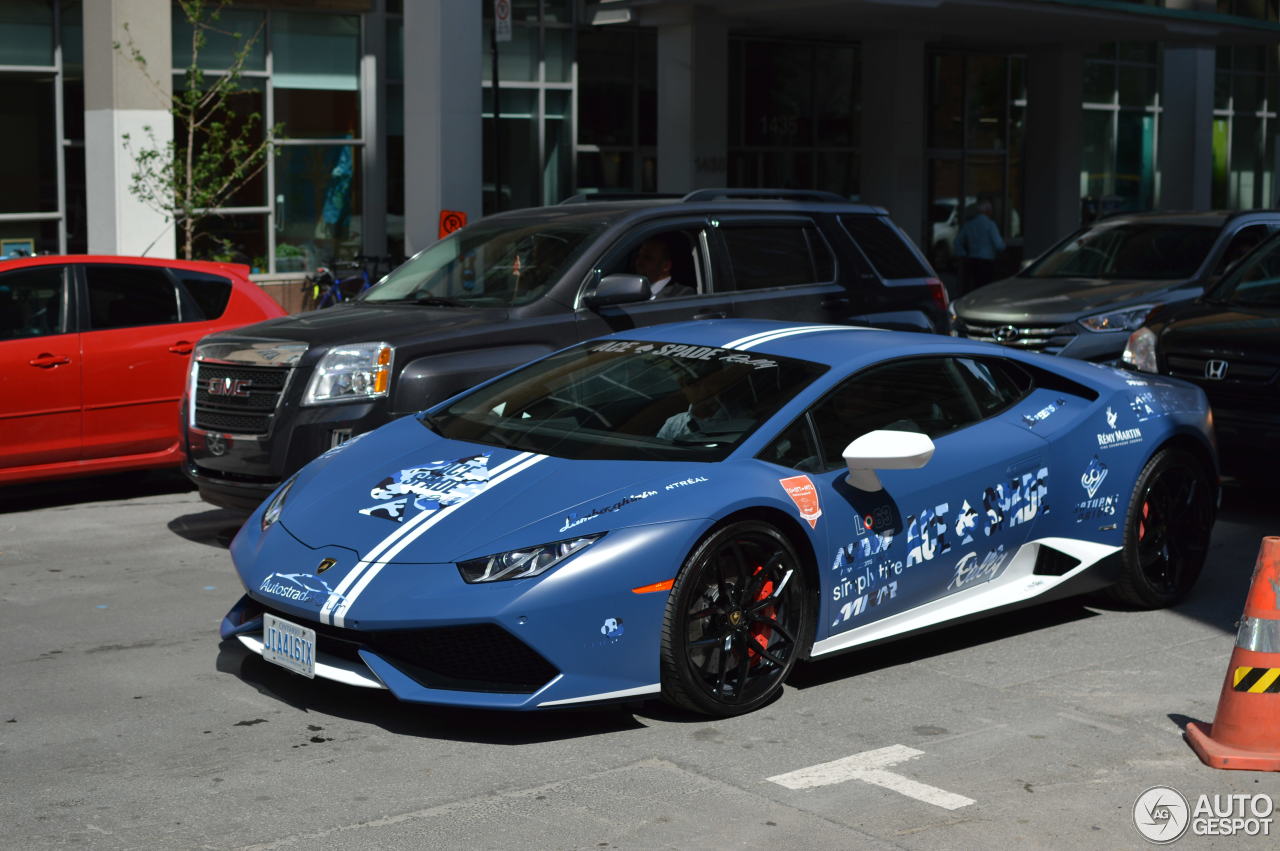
x: 687, y: 510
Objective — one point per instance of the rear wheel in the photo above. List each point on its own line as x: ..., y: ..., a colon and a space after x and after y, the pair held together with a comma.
x: 1166, y: 536
x: 735, y: 621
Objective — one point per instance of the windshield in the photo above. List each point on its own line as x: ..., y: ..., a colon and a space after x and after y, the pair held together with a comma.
x: 1145, y: 251
x: 1256, y: 283
x: 629, y: 400
x: 496, y: 264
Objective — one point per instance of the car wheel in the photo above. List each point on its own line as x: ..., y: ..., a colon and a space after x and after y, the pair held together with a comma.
x: 1166, y: 534
x: 735, y: 621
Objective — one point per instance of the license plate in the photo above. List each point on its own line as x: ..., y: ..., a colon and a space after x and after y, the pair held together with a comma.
x: 289, y: 645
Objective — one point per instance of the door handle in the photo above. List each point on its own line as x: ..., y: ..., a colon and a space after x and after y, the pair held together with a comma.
x: 713, y: 314
x: 182, y: 347
x: 46, y: 360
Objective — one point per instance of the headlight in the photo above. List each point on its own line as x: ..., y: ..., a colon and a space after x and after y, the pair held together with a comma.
x: 1140, y: 351
x: 1118, y: 320
x: 351, y: 373
x: 521, y: 564
x: 276, y: 505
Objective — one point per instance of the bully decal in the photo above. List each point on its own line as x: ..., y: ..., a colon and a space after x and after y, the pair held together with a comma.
x: 612, y: 628
x: 429, y: 487
x: 574, y: 518
x: 805, y: 496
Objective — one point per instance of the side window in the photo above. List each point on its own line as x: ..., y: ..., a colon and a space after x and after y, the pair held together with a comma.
x: 763, y: 256
x: 209, y: 292
x: 125, y: 296
x: 884, y: 248
x: 1245, y: 240
x: 31, y: 302
x: 994, y: 385
x: 932, y: 396
x: 671, y: 260
x: 795, y: 448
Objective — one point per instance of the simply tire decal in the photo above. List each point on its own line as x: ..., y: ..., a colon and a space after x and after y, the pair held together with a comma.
x: 359, y: 577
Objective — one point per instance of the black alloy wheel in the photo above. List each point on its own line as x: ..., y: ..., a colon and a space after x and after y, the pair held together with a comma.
x: 1166, y: 536
x: 736, y: 621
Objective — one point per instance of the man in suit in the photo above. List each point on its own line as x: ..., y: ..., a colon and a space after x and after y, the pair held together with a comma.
x: 653, y: 260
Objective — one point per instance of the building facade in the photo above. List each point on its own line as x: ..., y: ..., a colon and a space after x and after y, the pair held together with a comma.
x: 1054, y: 110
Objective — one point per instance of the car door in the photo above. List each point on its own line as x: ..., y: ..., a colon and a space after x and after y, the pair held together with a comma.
x: 687, y: 244
x: 780, y: 268
x: 39, y: 368
x: 932, y: 532
x: 137, y: 344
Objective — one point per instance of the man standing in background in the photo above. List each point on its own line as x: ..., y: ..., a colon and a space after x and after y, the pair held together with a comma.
x: 977, y: 246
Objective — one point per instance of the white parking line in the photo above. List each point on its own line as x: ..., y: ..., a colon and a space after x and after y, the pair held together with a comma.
x: 869, y: 767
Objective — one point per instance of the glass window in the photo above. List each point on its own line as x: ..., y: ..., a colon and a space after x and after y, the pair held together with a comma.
x: 31, y: 302
x: 26, y: 32
x: 606, y: 103
x: 946, y: 125
x: 1245, y: 240
x: 77, y: 223
x: 395, y: 49
x: 558, y: 55
x: 884, y: 248
x: 311, y: 51
x: 1138, y: 251
x: 28, y: 147
x: 927, y: 395
x: 629, y: 400
x: 795, y: 448
x: 777, y: 256
x: 224, y: 38
x: 1255, y: 283
x: 317, y: 204
x: 778, y: 80
x: 314, y: 114
x: 986, y: 84
x: 72, y: 38
x: 517, y: 59
x: 43, y: 235
x: 209, y: 292
x: 233, y: 239
x: 126, y: 296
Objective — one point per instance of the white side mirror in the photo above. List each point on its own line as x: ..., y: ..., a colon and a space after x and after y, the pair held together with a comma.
x: 885, y: 450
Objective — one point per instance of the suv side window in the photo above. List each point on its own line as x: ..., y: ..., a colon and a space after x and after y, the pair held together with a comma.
x: 127, y: 296
x: 209, y: 292
x: 32, y: 302
x: 777, y: 255
x: 883, y: 247
x: 933, y: 396
x: 680, y: 247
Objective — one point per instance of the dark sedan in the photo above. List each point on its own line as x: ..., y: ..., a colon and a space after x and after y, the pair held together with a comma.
x: 1083, y: 297
x: 1228, y: 342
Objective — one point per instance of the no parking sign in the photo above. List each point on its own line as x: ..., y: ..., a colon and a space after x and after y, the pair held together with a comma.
x: 502, y: 20
x: 451, y: 220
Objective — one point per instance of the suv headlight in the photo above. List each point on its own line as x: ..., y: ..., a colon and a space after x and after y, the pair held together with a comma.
x: 351, y: 373
x: 1118, y: 320
x: 1140, y: 351
x: 523, y: 563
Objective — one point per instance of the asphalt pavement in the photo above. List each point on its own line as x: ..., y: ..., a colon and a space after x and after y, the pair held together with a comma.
x: 125, y: 723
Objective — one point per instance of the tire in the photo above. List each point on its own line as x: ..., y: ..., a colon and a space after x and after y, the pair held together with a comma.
x: 736, y: 621
x: 1166, y: 531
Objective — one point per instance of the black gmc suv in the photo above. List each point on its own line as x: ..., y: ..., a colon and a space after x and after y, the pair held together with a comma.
x: 265, y: 399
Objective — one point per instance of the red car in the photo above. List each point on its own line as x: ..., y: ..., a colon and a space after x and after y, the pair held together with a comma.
x: 94, y: 354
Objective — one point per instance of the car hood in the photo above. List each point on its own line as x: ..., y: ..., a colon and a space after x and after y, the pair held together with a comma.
x: 403, y: 494
x: 1223, y: 328
x: 1021, y: 300
x: 359, y: 322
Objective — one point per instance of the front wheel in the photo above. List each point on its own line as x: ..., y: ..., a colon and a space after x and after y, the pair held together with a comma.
x: 1166, y: 534
x: 735, y: 621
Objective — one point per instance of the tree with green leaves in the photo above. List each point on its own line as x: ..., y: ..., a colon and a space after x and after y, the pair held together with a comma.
x: 215, y: 150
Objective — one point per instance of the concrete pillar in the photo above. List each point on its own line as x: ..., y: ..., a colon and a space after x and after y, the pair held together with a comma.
x: 1185, y: 145
x: 894, y: 131
x: 1051, y: 169
x: 443, y: 141
x: 120, y: 100
x: 693, y: 99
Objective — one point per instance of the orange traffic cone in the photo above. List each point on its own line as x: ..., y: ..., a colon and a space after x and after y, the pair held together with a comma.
x: 1245, y: 734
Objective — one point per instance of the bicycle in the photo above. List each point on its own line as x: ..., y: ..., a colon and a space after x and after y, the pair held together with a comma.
x: 326, y: 289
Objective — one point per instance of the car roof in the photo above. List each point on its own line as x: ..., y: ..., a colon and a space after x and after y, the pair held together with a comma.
x: 238, y: 269
x: 833, y: 345
x: 1204, y: 218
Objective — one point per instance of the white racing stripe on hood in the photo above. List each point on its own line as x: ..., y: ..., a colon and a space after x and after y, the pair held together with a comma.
x: 373, y: 568
x: 759, y: 335
x: 408, y: 528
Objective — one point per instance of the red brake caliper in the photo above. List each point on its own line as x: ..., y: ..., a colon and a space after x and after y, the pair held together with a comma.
x: 760, y: 633
x: 1142, y: 524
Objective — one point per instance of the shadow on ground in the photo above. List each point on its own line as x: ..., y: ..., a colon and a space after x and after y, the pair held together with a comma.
x: 107, y: 488
x: 215, y: 527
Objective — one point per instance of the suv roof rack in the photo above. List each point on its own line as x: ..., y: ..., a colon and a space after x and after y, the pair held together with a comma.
x: 766, y: 194
x: 587, y: 197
